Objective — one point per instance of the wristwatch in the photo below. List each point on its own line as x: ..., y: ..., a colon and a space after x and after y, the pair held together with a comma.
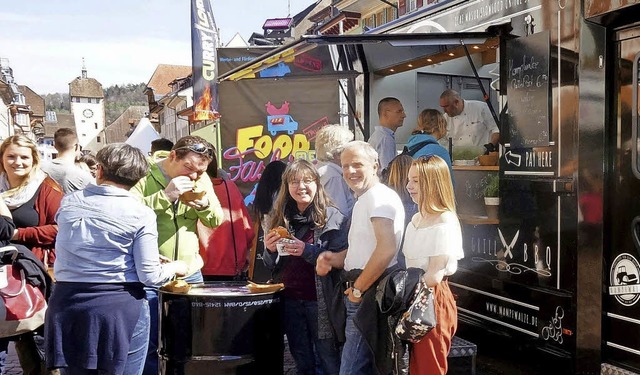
x: 356, y: 292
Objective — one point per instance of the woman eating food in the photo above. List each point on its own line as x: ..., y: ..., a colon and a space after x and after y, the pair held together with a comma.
x: 303, y: 224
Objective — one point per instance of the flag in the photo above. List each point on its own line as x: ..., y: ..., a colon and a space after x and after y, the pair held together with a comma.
x: 204, y: 40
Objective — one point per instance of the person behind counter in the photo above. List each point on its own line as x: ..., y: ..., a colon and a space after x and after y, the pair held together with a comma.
x: 433, y: 242
x: 303, y: 207
x: 98, y: 317
x: 162, y: 189
x: 469, y: 122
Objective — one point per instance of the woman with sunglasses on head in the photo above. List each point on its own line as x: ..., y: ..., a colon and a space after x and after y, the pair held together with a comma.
x: 433, y: 242
x: 33, y: 199
x: 303, y: 208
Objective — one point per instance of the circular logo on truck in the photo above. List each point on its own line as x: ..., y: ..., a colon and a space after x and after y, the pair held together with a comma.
x: 623, y: 279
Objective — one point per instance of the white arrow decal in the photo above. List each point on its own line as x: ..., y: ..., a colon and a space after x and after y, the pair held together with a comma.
x: 514, y: 159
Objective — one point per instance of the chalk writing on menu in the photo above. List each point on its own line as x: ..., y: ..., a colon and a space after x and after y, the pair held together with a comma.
x: 528, y: 92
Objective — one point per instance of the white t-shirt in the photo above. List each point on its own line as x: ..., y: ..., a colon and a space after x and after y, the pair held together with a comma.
x: 443, y: 238
x: 472, y: 127
x: 378, y: 201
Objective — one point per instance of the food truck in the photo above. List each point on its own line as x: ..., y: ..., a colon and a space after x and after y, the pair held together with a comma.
x: 558, y: 268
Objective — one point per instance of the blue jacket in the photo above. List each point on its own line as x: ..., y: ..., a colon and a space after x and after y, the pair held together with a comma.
x: 430, y: 149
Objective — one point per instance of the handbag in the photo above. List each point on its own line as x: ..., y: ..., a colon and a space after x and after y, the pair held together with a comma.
x: 22, y: 305
x: 420, y: 318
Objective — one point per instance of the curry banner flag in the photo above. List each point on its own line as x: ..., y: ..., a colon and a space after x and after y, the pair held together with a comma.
x: 204, y: 40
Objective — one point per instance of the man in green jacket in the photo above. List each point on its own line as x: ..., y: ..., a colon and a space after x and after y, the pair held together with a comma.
x: 163, y: 190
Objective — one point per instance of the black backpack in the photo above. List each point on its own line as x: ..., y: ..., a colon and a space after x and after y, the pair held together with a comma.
x: 415, y: 148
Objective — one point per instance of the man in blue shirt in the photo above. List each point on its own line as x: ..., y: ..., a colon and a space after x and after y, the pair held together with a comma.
x: 391, y: 114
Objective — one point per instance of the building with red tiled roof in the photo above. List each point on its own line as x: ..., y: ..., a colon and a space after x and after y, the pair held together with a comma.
x: 118, y: 130
x: 167, y: 96
x: 160, y: 83
x: 37, y: 106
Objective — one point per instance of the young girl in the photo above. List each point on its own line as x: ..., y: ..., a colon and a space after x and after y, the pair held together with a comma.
x: 433, y: 242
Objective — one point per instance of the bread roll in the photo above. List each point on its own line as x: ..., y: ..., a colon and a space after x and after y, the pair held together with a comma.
x: 191, y: 195
x: 282, y: 231
x: 177, y: 286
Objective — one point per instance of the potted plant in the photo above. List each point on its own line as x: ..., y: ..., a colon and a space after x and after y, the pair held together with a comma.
x: 491, y: 198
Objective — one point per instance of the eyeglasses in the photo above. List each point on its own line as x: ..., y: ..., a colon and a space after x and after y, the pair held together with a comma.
x: 198, y: 148
x: 306, y: 182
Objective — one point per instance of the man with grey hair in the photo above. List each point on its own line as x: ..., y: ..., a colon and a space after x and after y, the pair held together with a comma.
x: 391, y: 115
x: 329, y: 142
x: 377, y: 224
x: 469, y: 122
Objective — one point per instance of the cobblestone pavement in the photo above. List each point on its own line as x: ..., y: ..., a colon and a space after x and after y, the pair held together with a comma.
x: 12, y: 364
x: 486, y: 365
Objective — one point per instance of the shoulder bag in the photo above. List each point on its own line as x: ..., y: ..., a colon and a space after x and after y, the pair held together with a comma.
x: 420, y: 318
x: 22, y: 305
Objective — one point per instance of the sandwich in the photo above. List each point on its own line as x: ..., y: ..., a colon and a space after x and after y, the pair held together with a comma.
x: 177, y: 286
x: 282, y: 232
x: 192, y: 195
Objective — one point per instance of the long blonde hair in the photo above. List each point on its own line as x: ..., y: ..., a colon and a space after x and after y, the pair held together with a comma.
x: 436, y: 189
x: 398, y: 172
x: 320, y: 202
x: 21, y: 141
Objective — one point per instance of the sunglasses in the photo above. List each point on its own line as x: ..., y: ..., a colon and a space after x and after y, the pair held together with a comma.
x: 198, y: 148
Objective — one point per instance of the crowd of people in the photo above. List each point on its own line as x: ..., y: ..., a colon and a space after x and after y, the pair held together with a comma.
x: 111, y: 229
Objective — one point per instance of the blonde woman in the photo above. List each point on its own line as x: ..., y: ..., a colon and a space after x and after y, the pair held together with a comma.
x: 430, y: 128
x: 33, y: 199
x: 32, y: 196
x: 433, y: 242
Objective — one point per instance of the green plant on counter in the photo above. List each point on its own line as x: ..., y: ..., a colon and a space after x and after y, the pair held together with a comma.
x: 493, y: 186
x: 466, y: 152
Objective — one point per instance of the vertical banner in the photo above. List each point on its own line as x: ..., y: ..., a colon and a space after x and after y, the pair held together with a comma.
x: 204, y: 39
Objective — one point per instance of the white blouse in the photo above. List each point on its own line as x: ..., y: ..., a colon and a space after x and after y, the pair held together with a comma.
x: 443, y: 238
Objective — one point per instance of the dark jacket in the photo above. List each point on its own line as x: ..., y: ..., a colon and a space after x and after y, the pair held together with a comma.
x: 370, y: 321
x: 394, y: 294
x: 331, y: 237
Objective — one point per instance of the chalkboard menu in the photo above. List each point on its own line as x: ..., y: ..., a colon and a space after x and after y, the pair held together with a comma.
x: 528, y: 94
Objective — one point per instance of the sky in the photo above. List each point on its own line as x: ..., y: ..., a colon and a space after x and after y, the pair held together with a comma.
x: 122, y: 41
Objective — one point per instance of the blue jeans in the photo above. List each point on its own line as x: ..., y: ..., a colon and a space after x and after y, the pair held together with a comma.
x: 139, y: 343
x: 301, y: 327
x: 151, y: 362
x: 357, y: 358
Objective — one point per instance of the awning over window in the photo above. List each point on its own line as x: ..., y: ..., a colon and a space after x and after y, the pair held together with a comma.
x: 384, y: 54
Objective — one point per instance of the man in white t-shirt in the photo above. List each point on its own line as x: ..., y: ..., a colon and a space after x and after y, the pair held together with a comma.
x: 377, y: 223
x: 469, y: 122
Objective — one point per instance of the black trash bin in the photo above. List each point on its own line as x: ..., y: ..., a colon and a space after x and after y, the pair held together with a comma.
x: 220, y: 328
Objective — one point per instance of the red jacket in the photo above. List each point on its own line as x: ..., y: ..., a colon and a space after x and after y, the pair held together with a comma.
x: 42, y: 238
x: 217, y: 247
